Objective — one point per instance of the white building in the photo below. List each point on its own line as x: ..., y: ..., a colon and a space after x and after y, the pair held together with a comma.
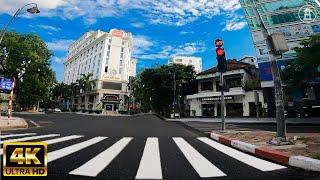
x: 196, y: 62
x: 107, y: 56
x: 241, y: 84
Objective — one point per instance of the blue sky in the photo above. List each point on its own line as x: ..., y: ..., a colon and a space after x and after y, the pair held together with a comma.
x: 161, y: 29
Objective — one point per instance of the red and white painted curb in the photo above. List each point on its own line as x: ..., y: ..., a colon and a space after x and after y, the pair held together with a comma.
x: 270, y: 154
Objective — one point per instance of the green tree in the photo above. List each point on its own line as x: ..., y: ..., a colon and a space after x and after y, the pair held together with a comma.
x: 154, y: 87
x: 304, y: 72
x: 29, y: 62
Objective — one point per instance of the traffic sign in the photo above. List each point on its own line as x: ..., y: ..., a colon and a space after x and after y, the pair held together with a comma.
x: 6, y: 84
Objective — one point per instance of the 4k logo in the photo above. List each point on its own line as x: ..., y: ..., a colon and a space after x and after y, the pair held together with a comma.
x: 24, y: 159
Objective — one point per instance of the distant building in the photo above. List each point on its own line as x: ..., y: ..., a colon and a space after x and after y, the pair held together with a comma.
x: 196, y: 62
x: 133, y: 67
x: 241, y: 84
x: 106, y: 55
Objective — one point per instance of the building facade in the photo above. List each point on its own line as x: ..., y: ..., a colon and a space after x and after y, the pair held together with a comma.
x: 285, y: 16
x: 196, y: 62
x: 107, y: 56
x: 242, y: 91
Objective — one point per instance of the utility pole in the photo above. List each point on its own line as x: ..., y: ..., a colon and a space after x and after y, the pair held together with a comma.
x: 281, y: 125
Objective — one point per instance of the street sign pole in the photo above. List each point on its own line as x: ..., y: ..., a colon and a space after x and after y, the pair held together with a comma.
x: 10, y: 101
x: 223, y: 123
x: 281, y: 125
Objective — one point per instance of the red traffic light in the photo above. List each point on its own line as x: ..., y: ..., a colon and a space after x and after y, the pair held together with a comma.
x: 220, y: 51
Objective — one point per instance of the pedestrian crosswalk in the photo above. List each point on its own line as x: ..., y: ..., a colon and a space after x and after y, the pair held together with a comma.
x: 151, y: 159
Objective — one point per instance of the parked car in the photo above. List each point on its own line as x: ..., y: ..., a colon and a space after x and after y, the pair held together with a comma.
x: 57, y: 110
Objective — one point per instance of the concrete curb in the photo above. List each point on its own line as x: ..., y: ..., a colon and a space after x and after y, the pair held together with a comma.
x: 270, y: 154
x: 14, y: 123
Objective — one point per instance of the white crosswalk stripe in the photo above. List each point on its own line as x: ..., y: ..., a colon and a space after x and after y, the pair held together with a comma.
x: 73, y: 148
x: 203, y: 167
x: 30, y: 138
x: 27, y: 139
x: 243, y: 157
x: 57, y: 140
x: 16, y: 135
x: 94, y: 166
x: 62, y: 139
x: 150, y: 164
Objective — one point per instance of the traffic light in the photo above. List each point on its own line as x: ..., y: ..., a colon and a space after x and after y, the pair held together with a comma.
x: 221, y: 56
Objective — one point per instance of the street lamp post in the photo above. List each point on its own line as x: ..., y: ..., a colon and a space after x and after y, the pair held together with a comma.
x: 32, y: 10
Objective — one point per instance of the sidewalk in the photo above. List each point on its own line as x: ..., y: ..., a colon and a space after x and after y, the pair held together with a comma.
x: 313, y: 120
x: 14, y: 123
x: 303, y: 151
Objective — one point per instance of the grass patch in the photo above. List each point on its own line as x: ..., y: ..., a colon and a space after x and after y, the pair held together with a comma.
x: 317, y: 156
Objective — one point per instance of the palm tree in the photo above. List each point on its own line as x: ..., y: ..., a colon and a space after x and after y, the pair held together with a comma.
x: 86, y: 83
x: 74, y: 87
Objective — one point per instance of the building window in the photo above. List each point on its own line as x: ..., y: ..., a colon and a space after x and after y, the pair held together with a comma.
x: 206, y: 86
x: 122, y: 49
x: 106, y: 69
x: 121, y: 61
x: 121, y: 55
x: 110, y: 40
x: 109, y: 47
x: 120, y: 70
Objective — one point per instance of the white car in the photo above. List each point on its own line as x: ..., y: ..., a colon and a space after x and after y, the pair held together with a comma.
x: 57, y: 110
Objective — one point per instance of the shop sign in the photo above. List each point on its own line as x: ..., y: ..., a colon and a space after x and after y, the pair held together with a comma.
x: 218, y: 98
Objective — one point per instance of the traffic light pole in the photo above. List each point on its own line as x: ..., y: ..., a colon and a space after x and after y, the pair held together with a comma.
x: 281, y: 125
x: 223, y: 123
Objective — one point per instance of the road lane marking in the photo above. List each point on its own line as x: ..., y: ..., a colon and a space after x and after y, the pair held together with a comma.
x: 94, y: 166
x: 54, y: 155
x: 62, y: 139
x: 16, y: 135
x: 30, y: 138
x: 150, y: 164
x: 243, y: 157
x: 203, y: 167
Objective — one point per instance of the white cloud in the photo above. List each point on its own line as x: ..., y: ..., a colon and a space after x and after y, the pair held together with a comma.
x: 47, y: 27
x: 59, y: 45
x: 167, y: 51
x: 168, y: 12
x: 235, y: 22
x: 137, y: 24
x: 58, y: 60
x: 186, y: 32
x: 234, y: 26
x: 141, y: 44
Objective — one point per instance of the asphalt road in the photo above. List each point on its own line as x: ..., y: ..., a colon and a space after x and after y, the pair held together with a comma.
x: 141, y: 147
